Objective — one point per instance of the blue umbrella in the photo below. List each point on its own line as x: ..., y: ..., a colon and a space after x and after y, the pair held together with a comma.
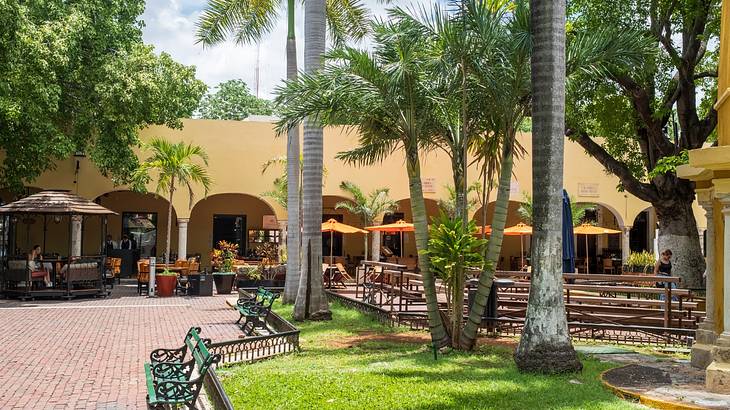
x: 568, y: 244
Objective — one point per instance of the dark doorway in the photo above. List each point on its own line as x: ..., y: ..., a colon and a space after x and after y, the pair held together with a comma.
x: 336, y: 237
x: 232, y: 229
x: 392, y: 240
x: 142, y: 227
x: 639, y: 236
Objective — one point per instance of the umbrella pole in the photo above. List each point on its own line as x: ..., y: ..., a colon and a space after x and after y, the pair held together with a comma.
x: 401, y: 244
x: 332, y: 243
x: 522, y: 254
x: 588, y: 261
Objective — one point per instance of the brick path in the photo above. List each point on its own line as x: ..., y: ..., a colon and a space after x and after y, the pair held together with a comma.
x: 89, y: 353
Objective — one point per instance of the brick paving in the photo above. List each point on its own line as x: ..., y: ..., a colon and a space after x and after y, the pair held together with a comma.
x: 89, y: 353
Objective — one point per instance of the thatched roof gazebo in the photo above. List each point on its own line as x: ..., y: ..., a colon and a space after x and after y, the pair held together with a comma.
x: 71, y: 276
x: 55, y: 203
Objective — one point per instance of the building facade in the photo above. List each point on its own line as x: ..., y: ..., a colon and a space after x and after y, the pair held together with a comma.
x: 710, y: 168
x: 237, y: 208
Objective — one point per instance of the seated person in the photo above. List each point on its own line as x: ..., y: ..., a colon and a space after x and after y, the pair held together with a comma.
x: 35, y: 264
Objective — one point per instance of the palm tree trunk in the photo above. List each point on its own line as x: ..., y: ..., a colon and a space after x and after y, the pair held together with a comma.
x: 293, y: 227
x: 457, y: 302
x: 494, y: 247
x: 375, y: 253
x: 311, y: 302
x: 418, y: 208
x: 545, y: 345
x: 169, y: 222
x: 366, y: 246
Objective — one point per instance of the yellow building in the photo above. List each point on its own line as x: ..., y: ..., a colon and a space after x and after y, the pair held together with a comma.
x: 710, y: 168
x: 236, y: 209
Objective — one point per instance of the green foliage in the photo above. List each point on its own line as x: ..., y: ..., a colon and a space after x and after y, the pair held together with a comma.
x: 448, y: 206
x: 77, y: 77
x: 173, y: 165
x: 224, y: 255
x: 669, y: 164
x: 232, y: 100
x: 383, y: 367
x: 453, y: 247
x: 166, y: 272
x: 641, y: 261
x: 578, y: 210
x: 369, y: 206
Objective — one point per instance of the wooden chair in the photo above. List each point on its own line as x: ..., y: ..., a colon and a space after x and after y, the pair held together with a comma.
x: 608, y: 266
x: 343, y: 272
x: 143, y: 277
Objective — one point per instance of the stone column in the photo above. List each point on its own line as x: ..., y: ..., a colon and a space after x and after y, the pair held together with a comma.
x: 182, y: 238
x: 625, y: 244
x: 706, y: 336
x: 717, y: 376
x: 282, y: 239
x: 76, y: 225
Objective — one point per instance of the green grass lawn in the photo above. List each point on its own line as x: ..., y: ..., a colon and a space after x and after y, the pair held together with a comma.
x: 336, y: 371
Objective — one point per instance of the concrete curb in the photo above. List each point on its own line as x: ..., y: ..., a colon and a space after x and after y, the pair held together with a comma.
x: 646, y: 400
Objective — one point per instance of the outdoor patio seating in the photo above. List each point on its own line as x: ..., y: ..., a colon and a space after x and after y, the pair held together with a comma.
x: 178, y: 355
x: 179, y: 383
x: 143, y: 276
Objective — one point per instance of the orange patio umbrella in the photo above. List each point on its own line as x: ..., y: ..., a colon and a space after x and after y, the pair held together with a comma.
x: 521, y: 229
x: 333, y: 226
x: 588, y: 229
x: 399, y: 226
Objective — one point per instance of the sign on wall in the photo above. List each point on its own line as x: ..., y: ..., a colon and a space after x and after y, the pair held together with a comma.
x: 588, y: 189
x: 514, y: 188
x: 270, y: 222
x: 429, y: 185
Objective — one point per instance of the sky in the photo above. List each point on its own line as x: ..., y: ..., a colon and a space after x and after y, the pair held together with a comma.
x: 170, y: 26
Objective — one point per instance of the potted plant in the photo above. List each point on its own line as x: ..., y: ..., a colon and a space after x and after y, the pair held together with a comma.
x: 165, y: 282
x: 269, y: 267
x: 249, y: 277
x: 223, y: 258
x: 640, y: 262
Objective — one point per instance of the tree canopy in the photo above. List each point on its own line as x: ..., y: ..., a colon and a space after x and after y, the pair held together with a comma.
x: 232, y: 100
x: 77, y: 77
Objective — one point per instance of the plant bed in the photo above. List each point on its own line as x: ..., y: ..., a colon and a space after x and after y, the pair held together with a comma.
x: 360, y: 364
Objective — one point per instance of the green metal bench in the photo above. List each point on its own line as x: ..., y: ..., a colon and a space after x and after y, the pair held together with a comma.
x: 179, y: 382
x: 255, y: 310
x: 178, y: 355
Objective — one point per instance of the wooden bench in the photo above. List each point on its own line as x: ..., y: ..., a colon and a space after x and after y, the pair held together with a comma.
x: 178, y: 355
x: 179, y: 383
x: 255, y: 309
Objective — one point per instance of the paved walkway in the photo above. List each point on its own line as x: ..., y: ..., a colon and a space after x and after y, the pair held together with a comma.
x: 664, y: 383
x: 89, y: 353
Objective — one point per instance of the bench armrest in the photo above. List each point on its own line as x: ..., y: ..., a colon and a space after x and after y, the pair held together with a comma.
x: 168, y: 355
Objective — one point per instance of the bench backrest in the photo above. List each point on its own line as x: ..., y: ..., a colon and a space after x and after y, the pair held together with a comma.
x: 268, y: 298
x: 203, y: 358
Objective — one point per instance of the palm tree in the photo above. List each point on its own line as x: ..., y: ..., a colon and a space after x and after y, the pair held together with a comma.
x: 175, y: 167
x: 385, y: 96
x: 248, y: 21
x: 545, y: 344
x: 368, y: 207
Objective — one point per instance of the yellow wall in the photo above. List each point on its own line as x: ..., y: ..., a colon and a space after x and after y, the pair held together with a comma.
x: 723, y: 81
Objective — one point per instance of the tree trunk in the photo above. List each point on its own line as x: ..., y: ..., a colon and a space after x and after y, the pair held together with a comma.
x: 457, y: 302
x: 293, y: 228
x: 420, y: 222
x: 375, y: 254
x: 545, y: 345
x: 494, y: 247
x: 169, y: 223
x: 365, y: 249
x: 311, y: 302
x: 678, y: 232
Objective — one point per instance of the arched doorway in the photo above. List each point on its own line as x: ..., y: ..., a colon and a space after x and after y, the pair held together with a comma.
x: 604, y: 251
x: 643, y: 231
x: 142, y: 217
x: 510, y: 256
x: 352, y: 246
x: 237, y: 218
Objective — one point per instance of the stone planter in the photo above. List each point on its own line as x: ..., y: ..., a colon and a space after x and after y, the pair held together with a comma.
x: 223, y: 282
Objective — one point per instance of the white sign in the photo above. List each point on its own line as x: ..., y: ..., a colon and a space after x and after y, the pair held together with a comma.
x: 429, y: 185
x: 269, y: 222
x: 588, y: 189
x: 153, y: 269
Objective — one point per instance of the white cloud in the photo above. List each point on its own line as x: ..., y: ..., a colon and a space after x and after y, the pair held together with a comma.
x: 170, y: 27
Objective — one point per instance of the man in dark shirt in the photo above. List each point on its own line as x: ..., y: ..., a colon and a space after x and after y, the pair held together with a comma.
x: 127, y: 243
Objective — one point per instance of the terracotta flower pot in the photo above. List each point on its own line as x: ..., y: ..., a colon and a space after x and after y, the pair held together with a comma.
x: 165, y: 285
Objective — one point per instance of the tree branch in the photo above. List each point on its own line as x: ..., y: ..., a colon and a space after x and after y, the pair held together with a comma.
x: 643, y: 191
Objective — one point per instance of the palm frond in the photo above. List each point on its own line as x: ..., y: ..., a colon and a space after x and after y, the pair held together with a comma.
x: 245, y: 21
